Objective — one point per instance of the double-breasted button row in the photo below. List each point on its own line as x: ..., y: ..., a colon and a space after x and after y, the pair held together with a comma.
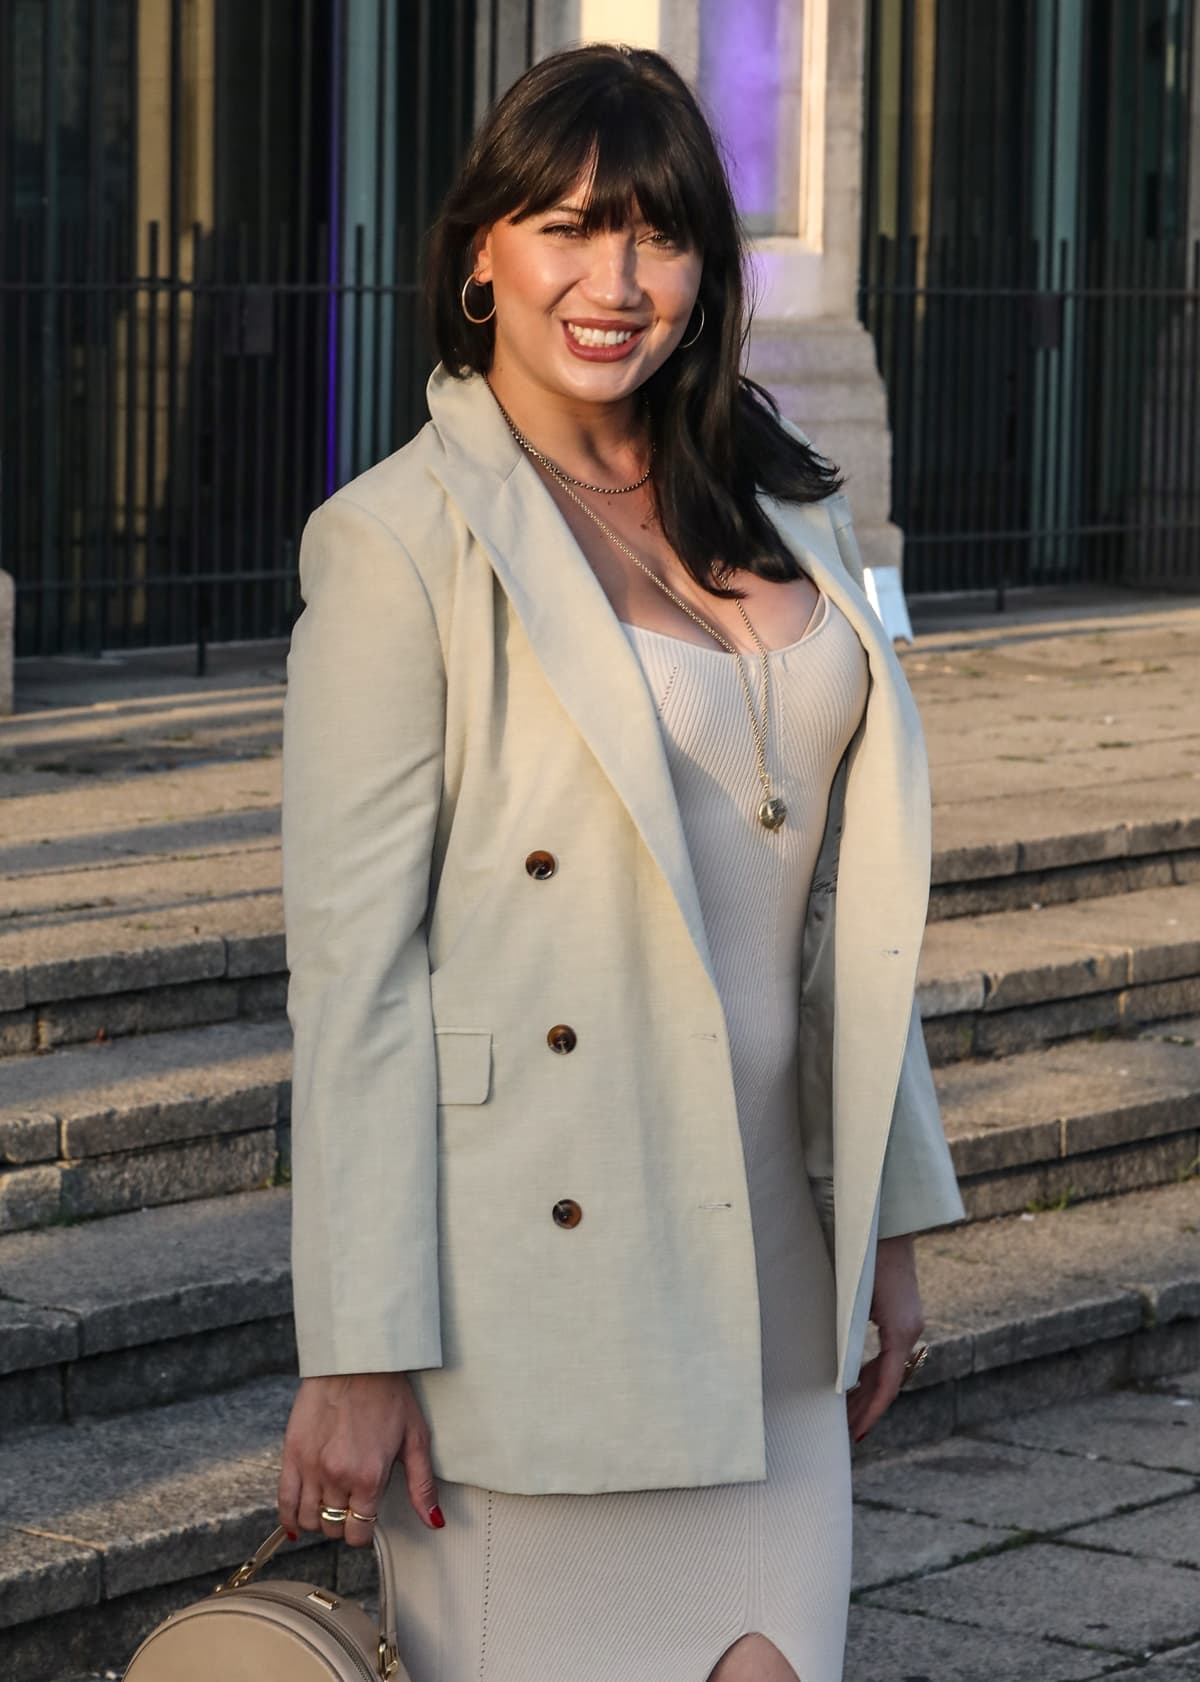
x: 541, y: 864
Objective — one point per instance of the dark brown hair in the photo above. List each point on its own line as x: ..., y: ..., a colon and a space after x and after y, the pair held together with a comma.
x: 718, y: 436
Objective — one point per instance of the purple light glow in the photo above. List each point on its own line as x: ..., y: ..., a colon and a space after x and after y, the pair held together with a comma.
x: 739, y: 81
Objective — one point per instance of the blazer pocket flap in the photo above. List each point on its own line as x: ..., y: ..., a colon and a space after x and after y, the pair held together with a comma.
x: 464, y: 1064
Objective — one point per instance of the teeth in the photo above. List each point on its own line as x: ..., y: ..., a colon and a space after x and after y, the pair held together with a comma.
x: 597, y: 336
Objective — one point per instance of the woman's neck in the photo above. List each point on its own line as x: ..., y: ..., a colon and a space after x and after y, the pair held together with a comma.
x: 596, y: 441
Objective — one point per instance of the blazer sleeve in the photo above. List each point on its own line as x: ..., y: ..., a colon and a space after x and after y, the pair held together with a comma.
x: 363, y: 744
x: 918, y: 1185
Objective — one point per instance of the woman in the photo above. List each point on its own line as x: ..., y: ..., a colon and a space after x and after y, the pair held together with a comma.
x: 587, y: 717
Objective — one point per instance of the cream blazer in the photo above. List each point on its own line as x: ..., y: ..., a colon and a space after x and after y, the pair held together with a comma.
x: 460, y: 697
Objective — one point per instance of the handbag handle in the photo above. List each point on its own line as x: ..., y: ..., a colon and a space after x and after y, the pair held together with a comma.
x: 387, y: 1657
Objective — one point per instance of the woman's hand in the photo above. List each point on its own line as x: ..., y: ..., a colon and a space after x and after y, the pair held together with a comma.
x: 896, y: 1311
x: 342, y: 1439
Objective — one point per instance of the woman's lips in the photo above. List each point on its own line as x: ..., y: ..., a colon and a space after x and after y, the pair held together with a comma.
x: 602, y: 353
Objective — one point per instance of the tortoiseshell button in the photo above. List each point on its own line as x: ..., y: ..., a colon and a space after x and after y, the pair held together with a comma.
x: 567, y: 1212
x: 541, y: 864
x: 562, y: 1037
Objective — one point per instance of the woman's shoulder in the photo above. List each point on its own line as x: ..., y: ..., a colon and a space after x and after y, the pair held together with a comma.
x: 395, y: 498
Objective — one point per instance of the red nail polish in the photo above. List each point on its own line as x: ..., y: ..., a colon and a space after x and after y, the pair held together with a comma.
x: 859, y: 1436
x: 436, y: 1518
x: 292, y: 1535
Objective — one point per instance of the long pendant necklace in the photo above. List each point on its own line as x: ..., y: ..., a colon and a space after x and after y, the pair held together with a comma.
x: 771, y: 809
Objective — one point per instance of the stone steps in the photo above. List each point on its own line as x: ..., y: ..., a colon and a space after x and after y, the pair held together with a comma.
x: 110, y: 1524
x: 118, y: 1124
x: 139, y: 1120
x: 112, y: 1519
x: 1015, y: 852
x: 1009, y: 980
x: 141, y: 1308
x: 1076, y: 1119
x: 177, y: 943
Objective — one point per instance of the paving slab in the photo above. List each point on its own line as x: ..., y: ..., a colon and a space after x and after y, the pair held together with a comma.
x: 133, y: 738
x: 1183, y: 1383
x: 1167, y: 1530
x: 1184, y: 1660
x: 889, y: 1544
x: 1111, y: 1603
x: 132, y: 1092
x: 112, y: 814
x: 898, y: 1646
x: 1129, y: 1427
x: 158, y: 1273
x: 1013, y: 958
x: 159, y: 1494
x: 1055, y: 1101
x: 34, y: 1337
x: 41, y: 1575
x: 996, y: 1484
x: 1085, y: 1271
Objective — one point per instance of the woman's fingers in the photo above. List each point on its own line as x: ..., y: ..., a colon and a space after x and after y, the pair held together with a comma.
x: 880, y: 1382
x: 288, y: 1494
x: 418, y: 1472
x: 338, y: 1451
x: 359, y: 1531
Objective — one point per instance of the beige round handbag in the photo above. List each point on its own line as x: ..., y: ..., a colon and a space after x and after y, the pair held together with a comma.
x: 274, y: 1631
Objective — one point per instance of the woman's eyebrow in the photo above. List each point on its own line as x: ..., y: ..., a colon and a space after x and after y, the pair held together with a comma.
x: 577, y: 210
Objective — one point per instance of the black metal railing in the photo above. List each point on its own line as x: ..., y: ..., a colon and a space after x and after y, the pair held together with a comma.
x: 1043, y: 408
x: 175, y: 432
x: 179, y: 393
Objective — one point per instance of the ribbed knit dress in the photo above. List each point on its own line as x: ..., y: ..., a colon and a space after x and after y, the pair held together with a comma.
x: 654, y: 1585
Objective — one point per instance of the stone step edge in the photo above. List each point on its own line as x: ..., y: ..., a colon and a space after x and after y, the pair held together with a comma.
x: 69, y: 1000
x: 1115, y: 843
x: 1063, y: 885
x: 36, y: 1133
x: 42, y: 1343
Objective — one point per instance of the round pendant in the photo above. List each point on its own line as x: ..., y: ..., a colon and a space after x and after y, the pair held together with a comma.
x: 772, y: 812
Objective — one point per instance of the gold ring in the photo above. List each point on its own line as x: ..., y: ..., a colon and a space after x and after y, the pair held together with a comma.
x: 915, y: 1361
x: 335, y: 1515
x: 364, y: 1518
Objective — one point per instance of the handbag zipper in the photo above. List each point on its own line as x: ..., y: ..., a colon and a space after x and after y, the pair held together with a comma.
x: 370, y: 1672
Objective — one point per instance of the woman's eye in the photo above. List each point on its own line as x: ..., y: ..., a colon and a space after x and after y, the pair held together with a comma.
x: 559, y: 228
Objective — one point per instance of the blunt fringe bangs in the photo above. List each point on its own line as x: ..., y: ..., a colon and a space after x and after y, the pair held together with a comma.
x: 628, y: 119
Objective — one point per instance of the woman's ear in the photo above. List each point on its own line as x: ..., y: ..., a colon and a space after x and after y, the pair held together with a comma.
x: 481, y: 255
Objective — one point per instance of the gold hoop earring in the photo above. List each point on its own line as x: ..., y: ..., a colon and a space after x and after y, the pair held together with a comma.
x: 477, y: 319
x: 684, y: 343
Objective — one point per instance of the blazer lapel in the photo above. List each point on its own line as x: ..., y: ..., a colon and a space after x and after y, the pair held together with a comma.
x: 575, y: 635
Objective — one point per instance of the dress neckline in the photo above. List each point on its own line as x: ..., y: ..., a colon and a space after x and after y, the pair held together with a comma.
x: 819, y: 617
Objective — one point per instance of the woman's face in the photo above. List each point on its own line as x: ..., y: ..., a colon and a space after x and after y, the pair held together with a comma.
x: 561, y: 297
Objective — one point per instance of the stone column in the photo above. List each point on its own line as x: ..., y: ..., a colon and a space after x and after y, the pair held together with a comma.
x: 808, y: 344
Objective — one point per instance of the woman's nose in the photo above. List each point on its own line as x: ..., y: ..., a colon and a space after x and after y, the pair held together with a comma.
x: 613, y: 271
